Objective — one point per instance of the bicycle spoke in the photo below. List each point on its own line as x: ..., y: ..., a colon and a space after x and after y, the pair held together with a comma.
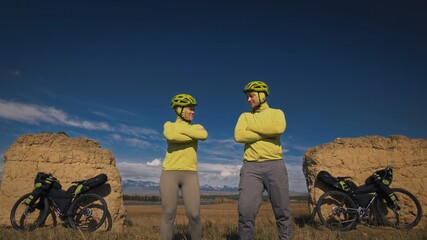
x: 88, y: 212
x: 407, y: 216
x: 24, y: 218
x: 336, y: 211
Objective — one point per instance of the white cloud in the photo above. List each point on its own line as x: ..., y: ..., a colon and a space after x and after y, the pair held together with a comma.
x: 225, y: 150
x: 219, y: 174
x: 134, y: 142
x: 139, y: 171
x: 35, y: 114
x: 300, y: 147
x: 289, y: 146
x: 136, y: 131
x: 222, y: 170
x: 155, y: 162
x: 296, y: 176
x: 293, y: 158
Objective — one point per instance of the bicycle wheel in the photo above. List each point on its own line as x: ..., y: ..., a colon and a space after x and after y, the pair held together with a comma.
x: 409, y: 214
x: 23, y: 217
x: 337, y: 211
x: 88, y: 212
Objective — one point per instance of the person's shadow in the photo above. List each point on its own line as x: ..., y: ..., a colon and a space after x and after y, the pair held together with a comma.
x: 232, y: 236
x: 181, y: 236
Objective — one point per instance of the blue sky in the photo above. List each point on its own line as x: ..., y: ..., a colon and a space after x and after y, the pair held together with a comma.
x: 107, y: 70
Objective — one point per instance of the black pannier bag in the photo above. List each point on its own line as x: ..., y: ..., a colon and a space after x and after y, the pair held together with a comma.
x: 385, y: 176
x: 46, y: 181
x: 338, y: 183
x: 43, y: 183
x: 61, y: 198
x: 363, y: 199
x: 88, y: 184
x: 34, y: 196
x: 363, y: 194
x: 382, y: 179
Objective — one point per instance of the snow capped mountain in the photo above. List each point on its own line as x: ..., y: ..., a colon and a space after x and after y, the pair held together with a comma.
x: 223, y: 188
x: 139, y: 185
x: 135, y: 186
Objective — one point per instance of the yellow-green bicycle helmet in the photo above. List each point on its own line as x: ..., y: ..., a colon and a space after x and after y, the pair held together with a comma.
x: 257, y: 86
x: 183, y: 100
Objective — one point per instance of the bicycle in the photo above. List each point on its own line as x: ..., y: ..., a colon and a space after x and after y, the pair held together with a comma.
x: 80, y: 210
x: 343, y: 209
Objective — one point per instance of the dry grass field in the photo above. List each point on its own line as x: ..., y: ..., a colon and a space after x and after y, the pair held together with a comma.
x: 219, y: 222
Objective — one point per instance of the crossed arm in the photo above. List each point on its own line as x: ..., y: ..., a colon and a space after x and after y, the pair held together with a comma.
x: 184, y: 134
x: 246, y: 132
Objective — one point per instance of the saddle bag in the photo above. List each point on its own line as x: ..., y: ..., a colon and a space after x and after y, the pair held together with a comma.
x: 88, y: 184
x: 337, y: 183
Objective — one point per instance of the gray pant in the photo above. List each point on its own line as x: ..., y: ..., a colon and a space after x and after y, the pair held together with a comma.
x: 254, y: 178
x: 170, y: 183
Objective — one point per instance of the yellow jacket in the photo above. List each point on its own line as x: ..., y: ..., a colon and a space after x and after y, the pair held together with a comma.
x: 260, y: 132
x: 182, y: 138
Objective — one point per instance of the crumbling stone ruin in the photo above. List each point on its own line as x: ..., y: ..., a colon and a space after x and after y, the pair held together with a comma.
x: 68, y: 159
x: 360, y: 157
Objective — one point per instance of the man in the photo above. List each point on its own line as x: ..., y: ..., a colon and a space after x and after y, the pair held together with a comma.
x: 263, y: 167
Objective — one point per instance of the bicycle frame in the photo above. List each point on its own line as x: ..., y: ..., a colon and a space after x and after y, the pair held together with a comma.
x: 363, y: 212
x: 54, y: 207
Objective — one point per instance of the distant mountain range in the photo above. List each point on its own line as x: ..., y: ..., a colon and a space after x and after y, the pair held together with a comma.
x: 140, y: 187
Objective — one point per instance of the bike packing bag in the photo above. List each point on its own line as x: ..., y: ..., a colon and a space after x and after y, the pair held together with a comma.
x: 351, y: 185
x: 43, y: 182
x: 385, y: 176
x: 343, y: 185
x: 91, y: 183
x: 388, y: 195
x: 34, y: 196
x: 364, y: 194
x: 46, y: 181
x: 364, y: 199
x: 61, y: 198
x: 382, y: 179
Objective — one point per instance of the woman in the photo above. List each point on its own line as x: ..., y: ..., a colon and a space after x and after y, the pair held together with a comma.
x: 180, y: 167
